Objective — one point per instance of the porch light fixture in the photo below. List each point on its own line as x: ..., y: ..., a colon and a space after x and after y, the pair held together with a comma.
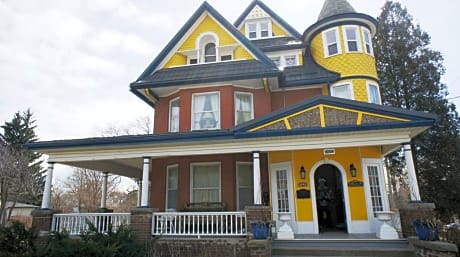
x: 302, y: 172
x: 353, y: 170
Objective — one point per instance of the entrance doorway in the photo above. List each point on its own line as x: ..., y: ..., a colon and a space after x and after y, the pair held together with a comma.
x: 330, y: 202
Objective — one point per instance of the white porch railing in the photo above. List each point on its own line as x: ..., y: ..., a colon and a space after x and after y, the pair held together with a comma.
x: 199, y: 224
x: 77, y: 223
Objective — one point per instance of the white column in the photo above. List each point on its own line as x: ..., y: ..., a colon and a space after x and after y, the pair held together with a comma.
x: 413, y: 184
x: 139, y: 191
x: 256, y: 174
x: 47, y: 190
x: 104, y: 190
x: 145, y: 183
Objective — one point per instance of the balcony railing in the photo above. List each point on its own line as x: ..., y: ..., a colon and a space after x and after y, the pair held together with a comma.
x: 77, y: 223
x: 199, y: 224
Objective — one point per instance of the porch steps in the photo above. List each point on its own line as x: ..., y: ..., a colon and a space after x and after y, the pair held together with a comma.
x: 342, y: 247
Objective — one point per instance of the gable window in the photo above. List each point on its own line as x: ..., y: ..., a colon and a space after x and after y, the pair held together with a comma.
x: 206, y: 111
x: 171, y: 187
x: 276, y: 60
x: 290, y: 60
x: 373, y: 93
x: 352, y: 39
x: 330, y: 41
x: 344, y: 90
x: 210, y: 52
x: 244, y: 110
x: 205, y: 183
x: 367, y: 41
x: 285, y: 61
x: 245, y: 185
x: 258, y: 29
x: 174, y: 108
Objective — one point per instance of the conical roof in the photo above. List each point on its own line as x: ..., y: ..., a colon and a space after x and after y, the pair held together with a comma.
x: 333, y: 7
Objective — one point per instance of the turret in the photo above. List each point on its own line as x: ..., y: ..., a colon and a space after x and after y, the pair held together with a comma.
x: 341, y: 41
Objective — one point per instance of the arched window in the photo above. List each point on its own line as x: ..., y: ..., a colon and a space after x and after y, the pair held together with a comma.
x: 210, y: 52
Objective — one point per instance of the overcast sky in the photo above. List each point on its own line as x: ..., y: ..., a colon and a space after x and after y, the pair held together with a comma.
x: 71, y: 62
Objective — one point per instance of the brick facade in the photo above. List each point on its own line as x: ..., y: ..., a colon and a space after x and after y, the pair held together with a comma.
x: 141, y: 223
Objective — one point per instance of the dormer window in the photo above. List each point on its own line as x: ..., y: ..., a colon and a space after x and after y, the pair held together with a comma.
x: 331, y: 42
x: 258, y: 29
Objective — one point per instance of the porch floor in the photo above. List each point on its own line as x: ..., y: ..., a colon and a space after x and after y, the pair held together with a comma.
x: 334, y: 236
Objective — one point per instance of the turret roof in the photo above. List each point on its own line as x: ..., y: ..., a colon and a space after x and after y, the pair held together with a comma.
x: 333, y: 7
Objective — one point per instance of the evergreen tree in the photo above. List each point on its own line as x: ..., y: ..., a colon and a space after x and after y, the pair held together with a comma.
x: 17, y: 132
x: 410, y: 73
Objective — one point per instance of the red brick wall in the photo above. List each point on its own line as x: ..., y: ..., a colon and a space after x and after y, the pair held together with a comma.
x: 286, y: 98
x: 228, y: 177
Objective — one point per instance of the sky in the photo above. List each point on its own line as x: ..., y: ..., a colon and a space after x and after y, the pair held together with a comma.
x: 71, y: 62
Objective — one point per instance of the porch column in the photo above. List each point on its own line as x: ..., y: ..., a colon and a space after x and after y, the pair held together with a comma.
x: 145, y: 183
x: 104, y: 190
x: 413, y: 184
x: 47, y: 190
x: 139, y: 190
x: 256, y: 174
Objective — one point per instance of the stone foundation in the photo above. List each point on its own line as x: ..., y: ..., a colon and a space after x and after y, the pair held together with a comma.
x: 194, y: 247
x: 433, y: 248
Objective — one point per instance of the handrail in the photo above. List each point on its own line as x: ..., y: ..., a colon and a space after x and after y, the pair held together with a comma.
x: 77, y: 223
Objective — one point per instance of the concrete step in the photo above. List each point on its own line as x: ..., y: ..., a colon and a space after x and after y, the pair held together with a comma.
x: 342, y: 247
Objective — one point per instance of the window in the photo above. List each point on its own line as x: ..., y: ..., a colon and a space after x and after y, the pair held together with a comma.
x: 352, y: 39
x: 245, y: 185
x: 243, y: 108
x: 174, y: 107
x: 285, y: 61
x: 290, y: 60
x: 259, y: 29
x: 226, y: 58
x: 206, y: 111
x: 367, y: 41
x: 171, y: 187
x: 342, y: 90
x: 193, y: 61
x: 276, y: 60
x: 373, y: 93
x: 205, y: 183
x: 330, y: 41
x: 210, y: 52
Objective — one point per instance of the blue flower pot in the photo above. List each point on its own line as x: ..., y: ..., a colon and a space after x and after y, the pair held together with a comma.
x: 260, y: 230
x: 426, y: 231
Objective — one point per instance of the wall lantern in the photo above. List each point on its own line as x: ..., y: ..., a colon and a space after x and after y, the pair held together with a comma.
x: 353, y: 170
x: 302, y: 172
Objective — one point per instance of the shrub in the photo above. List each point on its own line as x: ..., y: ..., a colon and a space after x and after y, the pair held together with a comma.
x: 17, y: 240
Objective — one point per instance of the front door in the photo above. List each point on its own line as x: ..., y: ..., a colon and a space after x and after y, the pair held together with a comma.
x: 330, y: 202
x: 282, y: 198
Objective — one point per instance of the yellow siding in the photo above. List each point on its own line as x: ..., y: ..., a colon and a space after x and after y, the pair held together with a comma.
x: 325, y: 90
x: 277, y: 30
x: 347, y: 64
x: 343, y: 156
x: 300, y: 59
x: 242, y: 54
x: 207, y: 25
x: 360, y: 90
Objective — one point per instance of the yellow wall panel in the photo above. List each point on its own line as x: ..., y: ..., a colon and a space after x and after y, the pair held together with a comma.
x: 279, y: 156
x: 242, y: 54
x: 277, y: 30
x: 325, y: 89
x: 176, y: 60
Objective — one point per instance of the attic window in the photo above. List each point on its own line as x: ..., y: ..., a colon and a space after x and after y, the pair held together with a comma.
x: 258, y: 29
x: 210, y: 52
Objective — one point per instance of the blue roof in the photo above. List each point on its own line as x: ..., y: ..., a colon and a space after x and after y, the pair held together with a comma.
x: 272, y: 14
x: 278, y: 44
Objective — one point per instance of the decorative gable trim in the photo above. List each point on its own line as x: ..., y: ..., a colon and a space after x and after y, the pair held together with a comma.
x: 257, y: 3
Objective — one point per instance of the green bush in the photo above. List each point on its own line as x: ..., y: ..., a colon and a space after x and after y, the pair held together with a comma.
x: 17, y: 240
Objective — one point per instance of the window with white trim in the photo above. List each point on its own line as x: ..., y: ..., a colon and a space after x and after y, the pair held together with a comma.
x: 172, y: 177
x: 276, y: 60
x: 258, y: 29
x: 206, y: 111
x: 352, y: 40
x: 244, y: 107
x: 174, y: 111
x: 205, y: 183
x: 245, y: 185
x: 344, y: 90
x: 210, y: 52
x: 373, y: 93
x: 285, y: 61
x: 375, y: 187
x: 331, y: 42
x: 367, y: 38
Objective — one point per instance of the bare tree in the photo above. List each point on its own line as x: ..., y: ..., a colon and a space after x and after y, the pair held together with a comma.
x: 141, y: 126
x: 85, y: 188
x: 15, y: 179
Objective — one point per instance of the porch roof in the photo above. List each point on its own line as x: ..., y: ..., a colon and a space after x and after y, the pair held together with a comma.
x: 315, y: 123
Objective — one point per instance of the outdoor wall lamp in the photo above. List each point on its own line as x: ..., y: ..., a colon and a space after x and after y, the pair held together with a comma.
x: 302, y: 172
x: 353, y: 170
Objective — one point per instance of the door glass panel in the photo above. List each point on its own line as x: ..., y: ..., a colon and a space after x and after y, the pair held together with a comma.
x: 375, y: 189
x: 282, y: 190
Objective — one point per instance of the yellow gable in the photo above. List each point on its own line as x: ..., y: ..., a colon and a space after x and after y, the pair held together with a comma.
x: 208, y: 25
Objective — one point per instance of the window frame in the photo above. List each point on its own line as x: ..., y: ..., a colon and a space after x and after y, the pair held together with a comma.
x: 347, y: 40
x: 234, y: 103
x: 218, y: 118
x: 370, y: 84
x: 237, y: 165
x: 344, y: 83
x: 201, y: 42
x: 282, y: 60
x: 371, y: 47
x: 326, y: 45
x: 170, y: 115
x: 258, y: 27
x: 167, y: 185
x: 219, y: 170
